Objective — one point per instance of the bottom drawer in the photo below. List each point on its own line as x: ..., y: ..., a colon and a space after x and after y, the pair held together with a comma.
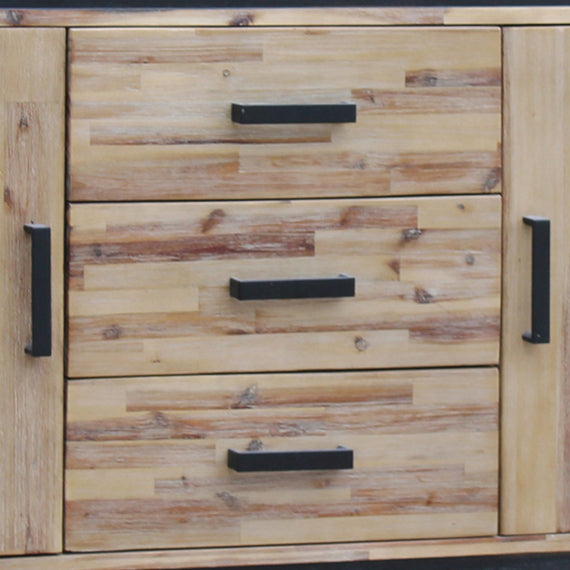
x: 147, y: 458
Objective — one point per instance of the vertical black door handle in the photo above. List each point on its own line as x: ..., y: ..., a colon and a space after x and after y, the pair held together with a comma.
x: 41, y: 290
x: 540, y: 309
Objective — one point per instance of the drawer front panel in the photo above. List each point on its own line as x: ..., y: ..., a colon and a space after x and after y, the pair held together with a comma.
x: 149, y: 289
x: 151, y: 112
x: 147, y: 458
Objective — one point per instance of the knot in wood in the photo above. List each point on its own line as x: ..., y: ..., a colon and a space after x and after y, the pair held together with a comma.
x: 229, y: 500
x: 360, y: 343
x: 412, y: 234
x: 248, y: 398
x: 242, y: 20
x: 214, y: 218
x: 112, y: 333
x: 492, y: 180
x: 255, y: 445
x: 423, y: 297
x: 14, y: 17
x: 8, y: 197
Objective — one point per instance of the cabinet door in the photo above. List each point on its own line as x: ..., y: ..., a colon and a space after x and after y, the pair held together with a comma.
x: 536, y: 379
x: 32, y: 81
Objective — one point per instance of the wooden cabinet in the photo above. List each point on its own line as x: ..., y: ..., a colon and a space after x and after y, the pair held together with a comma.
x: 444, y: 433
x: 32, y: 68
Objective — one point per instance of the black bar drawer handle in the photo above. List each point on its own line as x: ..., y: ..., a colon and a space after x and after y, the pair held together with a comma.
x: 250, y: 461
x: 540, y: 311
x: 41, y: 290
x: 291, y: 114
x: 341, y: 286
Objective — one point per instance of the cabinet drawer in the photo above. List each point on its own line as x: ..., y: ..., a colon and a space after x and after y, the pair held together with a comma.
x: 149, y: 289
x: 151, y: 112
x: 147, y: 458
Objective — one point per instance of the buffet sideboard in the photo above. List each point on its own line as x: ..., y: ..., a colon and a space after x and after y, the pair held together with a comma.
x: 283, y: 285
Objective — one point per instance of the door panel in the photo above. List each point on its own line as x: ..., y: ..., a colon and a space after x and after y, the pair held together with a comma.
x: 32, y: 72
x: 536, y: 379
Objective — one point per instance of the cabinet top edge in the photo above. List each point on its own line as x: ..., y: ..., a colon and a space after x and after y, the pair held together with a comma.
x: 313, y: 16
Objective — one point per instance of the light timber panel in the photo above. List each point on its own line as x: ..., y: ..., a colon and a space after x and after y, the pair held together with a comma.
x: 225, y: 17
x: 32, y: 72
x: 317, y: 16
x: 310, y: 553
x: 150, y: 112
x: 507, y: 15
x: 536, y: 385
x: 146, y: 458
x: 149, y: 285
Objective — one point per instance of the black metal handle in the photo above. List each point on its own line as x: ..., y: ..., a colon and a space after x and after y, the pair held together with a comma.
x: 289, y: 114
x: 540, y: 311
x: 341, y: 286
x: 41, y: 290
x: 249, y: 461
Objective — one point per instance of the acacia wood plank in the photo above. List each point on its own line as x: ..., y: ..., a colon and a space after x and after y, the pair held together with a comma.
x: 536, y: 426
x: 507, y: 15
x: 331, y: 16
x: 427, y: 276
x: 150, y: 112
x: 298, y: 554
x: 32, y: 68
x: 153, y: 472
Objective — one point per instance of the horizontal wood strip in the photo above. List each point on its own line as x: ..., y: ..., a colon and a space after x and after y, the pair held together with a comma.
x: 87, y: 303
x: 508, y: 15
x: 221, y: 17
x: 478, y: 524
x: 305, y: 554
x: 454, y: 16
x: 177, y: 425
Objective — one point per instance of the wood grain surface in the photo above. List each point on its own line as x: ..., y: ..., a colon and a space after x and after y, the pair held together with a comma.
x: 294, y: 554
x: 329, y: 16
x: 536, y: 383
x: 164, y: 16
x: 507, y: 15
x: 32, y: 68
x: 150, y: 112
x: 146, y: 458
x: 149, y: 285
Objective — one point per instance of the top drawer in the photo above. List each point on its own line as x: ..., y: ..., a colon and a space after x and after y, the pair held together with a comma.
x: 151, y: 112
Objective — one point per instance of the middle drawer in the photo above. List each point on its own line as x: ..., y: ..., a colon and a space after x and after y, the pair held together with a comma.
x: 149, y: 289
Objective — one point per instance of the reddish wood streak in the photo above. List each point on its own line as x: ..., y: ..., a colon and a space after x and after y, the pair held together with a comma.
x: 193, y: 248
x: 359, y: 420
x: 454, y: 78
